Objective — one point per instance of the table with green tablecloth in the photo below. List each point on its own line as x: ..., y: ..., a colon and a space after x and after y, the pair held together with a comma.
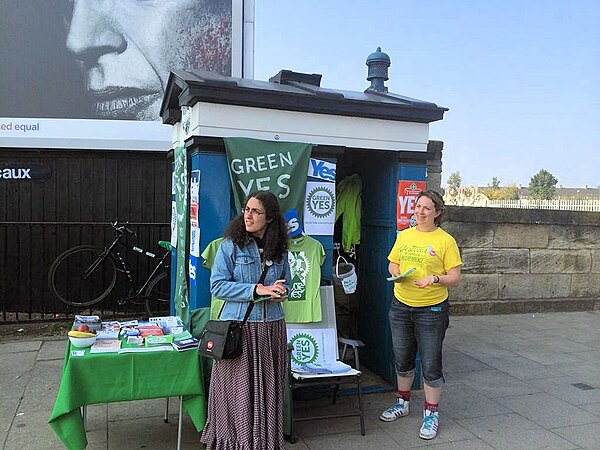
x: 113, y: 377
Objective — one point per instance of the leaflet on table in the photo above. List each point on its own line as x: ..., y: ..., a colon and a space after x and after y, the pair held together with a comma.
x: 167, y: 321
x: 158, y: 348
x: 106, y: 346
x: 88, y: 322
x: 152, y: 329
x: 107, y: 334
x: 185, y: 344
x: 184, y: 335
x: 86, y: 319
x: 152, y: 341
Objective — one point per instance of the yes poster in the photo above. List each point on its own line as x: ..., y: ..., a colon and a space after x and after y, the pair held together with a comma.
x: 319, y: 208
x: 312, y: 346
x: 405, y: 202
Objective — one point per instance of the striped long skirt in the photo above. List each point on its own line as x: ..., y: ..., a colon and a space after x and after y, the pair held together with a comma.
x: 246, y: 395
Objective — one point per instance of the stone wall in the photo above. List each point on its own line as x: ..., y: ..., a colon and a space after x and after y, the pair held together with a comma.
x: 524, y: 260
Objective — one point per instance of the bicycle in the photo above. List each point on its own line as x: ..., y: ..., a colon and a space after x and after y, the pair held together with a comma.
x: 85, y: 275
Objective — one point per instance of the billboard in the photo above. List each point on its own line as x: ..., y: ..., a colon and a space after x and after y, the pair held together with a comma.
x: 91, y: 74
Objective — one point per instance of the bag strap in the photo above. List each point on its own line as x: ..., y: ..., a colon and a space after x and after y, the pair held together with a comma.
x: 263, y: 275
x: 261, y: 280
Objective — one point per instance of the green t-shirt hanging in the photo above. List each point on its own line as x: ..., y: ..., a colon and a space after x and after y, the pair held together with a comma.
x: 208, y: 257
x: 306, y: 255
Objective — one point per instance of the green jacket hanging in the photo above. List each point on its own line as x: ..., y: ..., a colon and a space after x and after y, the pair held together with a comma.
x: 348, y: 205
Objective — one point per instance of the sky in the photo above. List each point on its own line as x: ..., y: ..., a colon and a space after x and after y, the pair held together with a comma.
x: 521, y: 79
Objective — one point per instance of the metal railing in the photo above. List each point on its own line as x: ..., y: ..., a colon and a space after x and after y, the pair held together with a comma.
x: 555, y: 204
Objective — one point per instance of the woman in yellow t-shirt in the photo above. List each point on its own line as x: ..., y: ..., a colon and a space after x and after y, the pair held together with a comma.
x: 424, y: 261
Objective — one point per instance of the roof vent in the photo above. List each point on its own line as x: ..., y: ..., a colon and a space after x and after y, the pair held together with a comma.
x: 378, y: 63
x: 288, y: 76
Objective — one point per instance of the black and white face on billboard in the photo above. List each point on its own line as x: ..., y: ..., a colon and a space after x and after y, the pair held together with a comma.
x: 92, y: 73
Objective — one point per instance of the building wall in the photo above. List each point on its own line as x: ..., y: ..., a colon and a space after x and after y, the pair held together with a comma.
x: 519, y: 260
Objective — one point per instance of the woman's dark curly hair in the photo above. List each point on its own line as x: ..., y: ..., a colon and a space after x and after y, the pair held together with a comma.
x: 275, y: 240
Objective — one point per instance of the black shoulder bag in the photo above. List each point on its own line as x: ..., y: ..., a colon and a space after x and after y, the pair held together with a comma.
x: 222, y: 339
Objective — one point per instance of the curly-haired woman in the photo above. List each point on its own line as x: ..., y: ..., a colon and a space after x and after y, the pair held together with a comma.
x: 246, y: 395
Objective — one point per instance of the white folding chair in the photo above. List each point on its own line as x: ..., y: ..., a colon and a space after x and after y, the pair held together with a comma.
x: 299, y: 379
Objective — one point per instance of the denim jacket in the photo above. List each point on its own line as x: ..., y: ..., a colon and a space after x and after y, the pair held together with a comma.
x: 235, y: 273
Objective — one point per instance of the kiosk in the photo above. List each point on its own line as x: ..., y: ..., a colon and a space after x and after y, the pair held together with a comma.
x: 380, y: 136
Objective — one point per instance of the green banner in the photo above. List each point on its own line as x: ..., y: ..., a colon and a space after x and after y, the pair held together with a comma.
x: 182, y: 304
x: 278, y: 167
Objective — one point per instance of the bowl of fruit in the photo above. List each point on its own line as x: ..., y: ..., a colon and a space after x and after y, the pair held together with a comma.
x: 82, y: 336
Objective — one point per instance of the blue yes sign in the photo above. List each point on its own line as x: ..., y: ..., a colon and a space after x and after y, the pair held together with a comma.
x: 322, y: 170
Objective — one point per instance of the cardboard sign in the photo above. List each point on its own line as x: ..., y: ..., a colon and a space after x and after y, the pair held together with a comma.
x: 319, y: 208
x: 312, y: 345
x: 405, y: 202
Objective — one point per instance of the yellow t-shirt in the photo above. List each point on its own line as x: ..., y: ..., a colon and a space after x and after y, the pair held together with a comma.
x: 430, y: 253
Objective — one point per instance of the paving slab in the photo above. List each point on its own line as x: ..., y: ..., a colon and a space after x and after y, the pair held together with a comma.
x: 31, y: 431
x: 406, y: 430
x: 514, y: 432
x: 587, y: 372
x: 461, y: 401
x: 548, y: 411
x: 42, y: 387
x: 376, y: 439
x: 583, y: 435
x: 18, y: 363
x: 561, y: 344
x: 546, y: 356
x: 19, y: 347
x: 593, y: 408
x: 522, y: 368
x: 52, y: 349
x: 494, y: 383
x: 470, y: 444
x: 569, y: 390
x: 456, y: 361
x: 151, y: 434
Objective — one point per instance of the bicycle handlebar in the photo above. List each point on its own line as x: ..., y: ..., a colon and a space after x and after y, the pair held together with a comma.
x: 123, y: 227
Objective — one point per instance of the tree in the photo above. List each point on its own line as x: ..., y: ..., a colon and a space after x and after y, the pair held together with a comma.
x: 542, y: 185
x: 454, y: 181
x: 495, y: 183
x: 510, y: 192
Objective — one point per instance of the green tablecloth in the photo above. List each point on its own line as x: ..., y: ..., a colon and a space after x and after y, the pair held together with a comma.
x: 112, y: 377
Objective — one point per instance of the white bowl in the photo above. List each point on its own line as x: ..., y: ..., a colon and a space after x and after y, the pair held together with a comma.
x: 82, y: 341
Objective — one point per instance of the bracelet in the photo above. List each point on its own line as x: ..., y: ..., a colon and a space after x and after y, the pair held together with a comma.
x: 436, y: 279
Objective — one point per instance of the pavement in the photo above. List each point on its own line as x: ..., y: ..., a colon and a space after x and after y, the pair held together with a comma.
x: 524, y: 381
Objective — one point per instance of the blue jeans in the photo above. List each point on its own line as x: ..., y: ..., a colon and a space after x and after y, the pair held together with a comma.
x: 422, y: 329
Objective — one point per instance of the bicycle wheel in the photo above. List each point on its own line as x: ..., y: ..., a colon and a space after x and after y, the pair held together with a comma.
x: 158, y: 295
x: 66, y: 276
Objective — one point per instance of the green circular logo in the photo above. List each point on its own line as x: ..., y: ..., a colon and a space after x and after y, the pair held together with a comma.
x: 304, y: 349
x: 321, y: 202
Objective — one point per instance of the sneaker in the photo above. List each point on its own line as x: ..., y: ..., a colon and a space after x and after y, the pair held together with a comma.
x: 400, y: 409
x: 430, y: 425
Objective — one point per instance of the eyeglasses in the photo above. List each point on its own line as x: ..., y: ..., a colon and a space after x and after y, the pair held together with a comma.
x: 253, y: 211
